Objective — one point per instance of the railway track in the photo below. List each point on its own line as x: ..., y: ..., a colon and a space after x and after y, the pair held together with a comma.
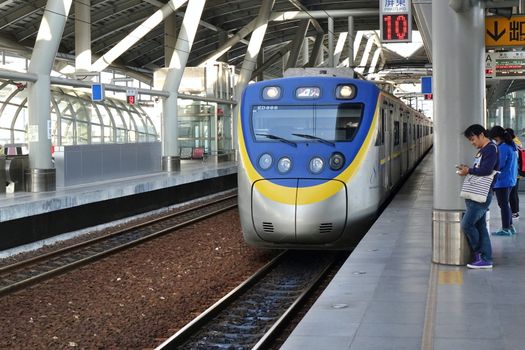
x: 251, y: 316
x: 28, y: 272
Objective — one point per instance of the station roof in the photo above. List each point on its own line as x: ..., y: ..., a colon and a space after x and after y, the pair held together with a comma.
x: 112, y: 20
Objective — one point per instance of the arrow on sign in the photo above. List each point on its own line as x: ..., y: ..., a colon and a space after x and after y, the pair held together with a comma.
x: 496, y: 36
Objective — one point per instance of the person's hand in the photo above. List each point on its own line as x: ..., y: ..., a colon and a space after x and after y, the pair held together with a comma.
x: 462, y: 170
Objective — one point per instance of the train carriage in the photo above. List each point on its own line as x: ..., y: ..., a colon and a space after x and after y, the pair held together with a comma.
x: 318, y: 156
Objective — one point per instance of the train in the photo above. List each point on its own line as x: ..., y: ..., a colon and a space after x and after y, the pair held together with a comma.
x: 318, y: 156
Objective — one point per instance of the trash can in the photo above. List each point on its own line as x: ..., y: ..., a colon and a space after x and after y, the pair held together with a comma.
x: 449, y: 244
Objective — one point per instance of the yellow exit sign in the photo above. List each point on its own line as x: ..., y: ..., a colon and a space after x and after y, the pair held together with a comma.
x: 502, y: 31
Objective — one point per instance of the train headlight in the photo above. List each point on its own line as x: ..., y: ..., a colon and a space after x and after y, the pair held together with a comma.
x: 345, y: 92
x: 265, y: 161
x: 316, y: 165
x: 337, y: 160
x: 284, y: 165
x: 271, y: 93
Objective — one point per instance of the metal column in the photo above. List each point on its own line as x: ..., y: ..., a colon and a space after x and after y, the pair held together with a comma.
x: 330, y: 42
x: 170, y: 133
x: 351, y: 38
x: 42, y: 176
x: 83, y: 36
x: 459, y: 89
x: 170, y: 37
x: 250, y: 59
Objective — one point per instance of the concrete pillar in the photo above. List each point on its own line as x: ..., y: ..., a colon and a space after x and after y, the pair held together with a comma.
x: 250, y: 59
x: 41, y: 175
x: 170, y: 134
x: 331, y: 42
x: 83, y: 36
x: 459, y: 91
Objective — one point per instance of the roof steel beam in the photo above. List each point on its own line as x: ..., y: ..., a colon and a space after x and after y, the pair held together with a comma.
x: 137, y: 34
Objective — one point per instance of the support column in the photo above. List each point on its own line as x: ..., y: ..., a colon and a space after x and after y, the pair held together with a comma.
x: 330, y: 42
x: 459, y: 90
x: 42, y: 176
x: 83, y: 36
x: 260, y: 63
x: 170, y: 133
x: 170, y: 38
x: 306, y: 52
x: 250, y: 59
x: 351, y: 38
x: 296, y: 43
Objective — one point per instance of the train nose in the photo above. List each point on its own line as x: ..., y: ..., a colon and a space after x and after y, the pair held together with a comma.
x: 307, y: 218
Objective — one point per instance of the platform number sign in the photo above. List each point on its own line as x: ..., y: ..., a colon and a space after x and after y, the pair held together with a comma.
x: 395, y: 21
x: 131, y: 96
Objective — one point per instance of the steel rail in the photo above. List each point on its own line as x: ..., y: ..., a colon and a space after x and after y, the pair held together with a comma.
x: 181, y: 337
x: 62, y: 252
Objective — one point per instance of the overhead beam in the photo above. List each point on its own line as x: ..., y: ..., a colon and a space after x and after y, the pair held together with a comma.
x: 137, y: 34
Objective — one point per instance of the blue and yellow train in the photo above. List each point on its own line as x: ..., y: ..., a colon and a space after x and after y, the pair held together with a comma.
x: 318, y: 156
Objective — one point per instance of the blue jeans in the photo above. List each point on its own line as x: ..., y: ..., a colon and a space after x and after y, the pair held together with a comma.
x: 474, y: 226
x: 503, y: 196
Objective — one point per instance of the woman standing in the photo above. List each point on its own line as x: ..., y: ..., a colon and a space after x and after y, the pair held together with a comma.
x: 474, y: 224
x: 506, y: 179
x: 514, y: 199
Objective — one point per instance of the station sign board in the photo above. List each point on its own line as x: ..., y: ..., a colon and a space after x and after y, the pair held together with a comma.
x: 505, y: 65
x: 131, y: 96
x: 97, y: 92
x: 395, y: 21
x: 502, y: 31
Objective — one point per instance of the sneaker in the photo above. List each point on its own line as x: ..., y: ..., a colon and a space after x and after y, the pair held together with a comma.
x: 480, y: 264
x: 515, y: 215
x: 502, y: 232
x: 512, y: 229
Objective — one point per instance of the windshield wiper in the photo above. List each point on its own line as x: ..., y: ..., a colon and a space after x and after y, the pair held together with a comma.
x: 311, y: 137
x: 274, y: 137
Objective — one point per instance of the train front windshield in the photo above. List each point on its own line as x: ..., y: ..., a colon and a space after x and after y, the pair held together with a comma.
x: 331, y: 123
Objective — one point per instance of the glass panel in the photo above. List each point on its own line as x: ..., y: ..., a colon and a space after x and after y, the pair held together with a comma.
x: 5, y: 136
x: 20, y: 136
x: 67, y: 132
x: 6, y: 92
x: 7, y: 115
x: 22, y: 119
x: 121, y: 136
x: 108, y: 135
x: 282, y: 121
x: 82, y: 132
x: 338, y: 123
x: 104, y: 114
x: 333, y: 123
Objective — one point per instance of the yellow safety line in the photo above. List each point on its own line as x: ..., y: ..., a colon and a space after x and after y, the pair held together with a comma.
x: 427, y: 341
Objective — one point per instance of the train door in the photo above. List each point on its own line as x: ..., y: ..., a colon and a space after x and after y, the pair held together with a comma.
x: 389, y: 114
x: 405, y: 154
x: 396, y: 150
x: 381, y: 142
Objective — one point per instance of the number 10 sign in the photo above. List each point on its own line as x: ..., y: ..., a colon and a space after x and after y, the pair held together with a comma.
x: 395, y: 21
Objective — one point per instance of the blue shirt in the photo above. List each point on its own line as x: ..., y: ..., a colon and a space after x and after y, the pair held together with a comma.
x: 485, y: 161
x: 508, y: 160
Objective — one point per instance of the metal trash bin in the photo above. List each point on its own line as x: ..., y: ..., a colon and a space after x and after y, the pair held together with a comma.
x: 449, y: 244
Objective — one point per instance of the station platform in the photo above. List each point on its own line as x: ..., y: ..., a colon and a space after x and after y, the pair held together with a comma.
x: 389, y: 295
x: 27, y: 217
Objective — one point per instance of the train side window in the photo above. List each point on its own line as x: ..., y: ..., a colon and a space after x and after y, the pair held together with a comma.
x: 396, y: 133
x: 405, y: 132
